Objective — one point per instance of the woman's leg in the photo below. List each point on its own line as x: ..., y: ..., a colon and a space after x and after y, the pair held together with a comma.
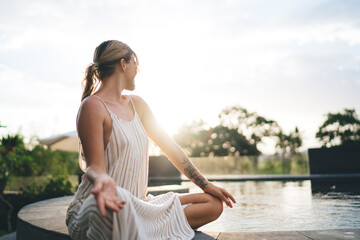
x: 204, y: 208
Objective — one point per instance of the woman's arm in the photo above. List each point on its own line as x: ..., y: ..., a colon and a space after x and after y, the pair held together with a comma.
x: 174, y: 152
x: 90, y: 127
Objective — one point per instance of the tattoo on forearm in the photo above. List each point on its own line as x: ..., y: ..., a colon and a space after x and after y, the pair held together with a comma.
x: 192, y: 173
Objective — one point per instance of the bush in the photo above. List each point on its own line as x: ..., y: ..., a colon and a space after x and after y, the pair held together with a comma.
x: 53, y: 187
x: 18, y: 160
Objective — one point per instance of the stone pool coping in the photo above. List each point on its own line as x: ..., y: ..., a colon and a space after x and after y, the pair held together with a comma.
x: 292, y: 235
x: 46, y: 220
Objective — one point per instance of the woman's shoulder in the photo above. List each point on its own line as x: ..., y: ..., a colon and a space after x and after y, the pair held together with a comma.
x: 137, y: 99
x: 92, y: 104
x: 140, y: 104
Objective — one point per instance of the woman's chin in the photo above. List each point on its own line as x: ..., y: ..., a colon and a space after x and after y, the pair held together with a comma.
x: 131, y: 88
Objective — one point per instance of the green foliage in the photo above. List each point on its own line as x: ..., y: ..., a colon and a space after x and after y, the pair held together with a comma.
x: 52, y: 187
x: 12, y: 143
x: 289, y: 143
x: 51, y: 162
x: 292, y: 164
x: 11, y: 150
x: 218, y: 141
x: 272, y: 166
x: 253, y: 126
x: 340, y: 129
x: 17, y: 160
x: 238, y: 133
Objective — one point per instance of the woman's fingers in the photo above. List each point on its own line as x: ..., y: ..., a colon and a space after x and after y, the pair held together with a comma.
x: 106, y: 197
x: 225, y: 198
x: 104, y: 203
x: 121, y: 204
x: 228, y: 195
x: 228, y: 202
x: 112, y: 206
x: 101, y: 206
x: 218, y: 192
x: 222, y: 194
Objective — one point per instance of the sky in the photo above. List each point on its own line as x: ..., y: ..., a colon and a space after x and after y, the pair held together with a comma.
x: 290, y: 61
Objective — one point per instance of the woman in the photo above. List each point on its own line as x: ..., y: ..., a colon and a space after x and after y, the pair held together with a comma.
x: 112, y: 202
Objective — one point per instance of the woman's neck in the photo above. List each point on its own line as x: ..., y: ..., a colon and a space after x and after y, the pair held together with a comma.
x: 112, y: 90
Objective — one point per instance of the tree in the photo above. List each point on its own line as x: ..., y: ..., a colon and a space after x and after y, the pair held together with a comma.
x: 199, y: 141
x: 288, y: 144
x: 253, y: 126
x: 229, y: 142
x: 340, y: 129
x: 238, y: 133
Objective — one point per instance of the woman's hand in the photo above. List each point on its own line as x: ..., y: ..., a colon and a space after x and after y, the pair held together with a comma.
x: 106, y: 195
x: 220, y: 193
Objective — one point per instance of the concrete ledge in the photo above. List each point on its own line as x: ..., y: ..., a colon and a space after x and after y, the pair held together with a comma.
x: 45, y: 220
x: 340, y: 234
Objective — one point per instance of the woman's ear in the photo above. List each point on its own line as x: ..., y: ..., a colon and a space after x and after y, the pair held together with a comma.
x: 122, y: 64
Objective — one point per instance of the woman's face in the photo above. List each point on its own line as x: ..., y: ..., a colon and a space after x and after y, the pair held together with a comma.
x: 131, y: 71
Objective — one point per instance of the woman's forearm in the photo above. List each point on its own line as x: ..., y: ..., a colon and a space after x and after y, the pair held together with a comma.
x: 181, y: 161
x: 190, y: 171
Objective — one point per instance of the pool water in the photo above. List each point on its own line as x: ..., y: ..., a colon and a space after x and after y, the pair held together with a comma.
x: 284, y: 206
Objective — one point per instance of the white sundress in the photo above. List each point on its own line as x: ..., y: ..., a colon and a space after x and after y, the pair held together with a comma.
x: 144, y: 216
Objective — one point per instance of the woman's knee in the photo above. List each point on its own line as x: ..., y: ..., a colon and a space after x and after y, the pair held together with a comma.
x: 216, y: 206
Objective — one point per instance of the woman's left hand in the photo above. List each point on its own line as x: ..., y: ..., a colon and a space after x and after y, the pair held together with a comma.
x: 220, y: 193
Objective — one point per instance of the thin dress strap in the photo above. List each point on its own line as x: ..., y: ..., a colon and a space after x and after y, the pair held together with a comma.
x: 103, y: 103
x: 132, y: 104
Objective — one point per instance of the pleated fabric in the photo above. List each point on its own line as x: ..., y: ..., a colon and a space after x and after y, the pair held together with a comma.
x: 144, y: 216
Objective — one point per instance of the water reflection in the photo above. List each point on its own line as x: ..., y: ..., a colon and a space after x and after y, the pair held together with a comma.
x: 348, y: 186
x: 280, y: 206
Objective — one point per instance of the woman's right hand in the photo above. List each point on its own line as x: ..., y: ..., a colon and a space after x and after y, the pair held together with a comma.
x: 105, y: 194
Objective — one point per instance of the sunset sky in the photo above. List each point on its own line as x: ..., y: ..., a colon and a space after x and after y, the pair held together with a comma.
x: 290, y: 61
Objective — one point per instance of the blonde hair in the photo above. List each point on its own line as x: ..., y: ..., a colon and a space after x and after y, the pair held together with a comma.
x: 106, y: 56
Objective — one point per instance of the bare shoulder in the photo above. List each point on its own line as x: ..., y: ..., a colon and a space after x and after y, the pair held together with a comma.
x: 137, y: 99
x: 92, y: 107
x: 140, y: 105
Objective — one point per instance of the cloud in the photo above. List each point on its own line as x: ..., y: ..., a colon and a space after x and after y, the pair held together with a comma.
x: 276, y: 57
x: 19, y: 89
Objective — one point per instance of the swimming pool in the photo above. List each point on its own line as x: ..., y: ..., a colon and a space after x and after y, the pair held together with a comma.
x: 283, y: 206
